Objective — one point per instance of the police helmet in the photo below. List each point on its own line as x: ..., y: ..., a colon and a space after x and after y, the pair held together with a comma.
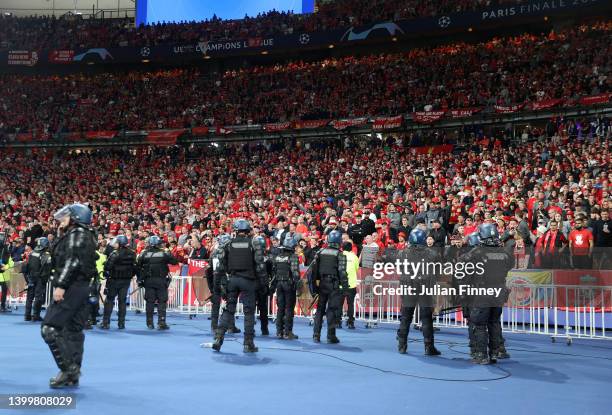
x: 289, y: 243
x: 417, y: 237
x: 334, y: 237
x: 223, y: 239
x: 154, y: 240
x: 121, y: 240
x: 488, y: 233
x: 42, y: 243
x: 242, y: 225
x: 77, y: 212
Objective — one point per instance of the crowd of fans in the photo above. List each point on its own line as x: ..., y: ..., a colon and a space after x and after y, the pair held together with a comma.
x: 567, y: 64
x: 375, y: 192
x: 41, y: 33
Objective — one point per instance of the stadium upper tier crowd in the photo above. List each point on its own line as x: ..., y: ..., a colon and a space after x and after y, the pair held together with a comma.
x: 374, y: 192
x: 40, y: 33
x: 528, y: 68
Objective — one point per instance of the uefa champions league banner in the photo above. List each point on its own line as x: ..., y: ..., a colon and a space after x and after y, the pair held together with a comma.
x: 505, y: 15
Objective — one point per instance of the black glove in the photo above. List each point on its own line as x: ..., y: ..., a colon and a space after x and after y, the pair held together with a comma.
x: 168, y: 281
x: 140, y: 283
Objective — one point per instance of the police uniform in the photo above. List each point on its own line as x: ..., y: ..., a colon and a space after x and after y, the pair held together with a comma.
x: 216, y: 277
x: 286, y: 276
x: 485, y: 311
x: 37, y: 271
x: 245, y: 264
x: 152, y: 270
x: 418, y: 254
x: 120, y: 267
x: 331, y: 277
x: 74, y: 264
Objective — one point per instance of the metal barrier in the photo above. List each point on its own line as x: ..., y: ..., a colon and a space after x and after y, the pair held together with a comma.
x: 559, y: 311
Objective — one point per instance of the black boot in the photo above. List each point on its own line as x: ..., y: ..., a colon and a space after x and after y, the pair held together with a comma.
x: 279, y: 334
x: 351, y: 325
x: 265, y: 331
x: 161, y: 317
x: 331, y: 336
x: 501, y: 353
x: 121, y: 325
x: 36, y: 318
x: 66, y: 378
x: 105, y: 325
x: 316, y: 337
x: 249, y: 345
x: 430, y: 350
x: 27, y: 318
x: 402, y: 342
x: 481, y: 359
x: 290, y: 336
x: 219, y: 335
x: 149, y: 312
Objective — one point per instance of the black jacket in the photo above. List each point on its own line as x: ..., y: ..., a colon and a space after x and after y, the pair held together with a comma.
x: 74, y: 257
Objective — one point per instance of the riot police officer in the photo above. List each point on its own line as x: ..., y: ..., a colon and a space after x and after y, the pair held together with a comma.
x: 119, y: 269
x: 152, y: 272
x: 74, y: 264
x: 286, y: 277
x: 456, y: 253
x: 485, y: 311
x: 330, y: 277
x: 37, y: 272
x: 245, y: 264
x: 417, y: 252
x: 216, y: 277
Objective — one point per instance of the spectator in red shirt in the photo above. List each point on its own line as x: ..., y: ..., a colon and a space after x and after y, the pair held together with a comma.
x: 581, y: 245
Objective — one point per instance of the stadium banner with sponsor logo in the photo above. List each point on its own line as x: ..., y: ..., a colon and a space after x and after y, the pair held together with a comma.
x: 583, y: 289
x: 61, y: 56
x: 498, y: 16
x: 525, y: 291
x: 427, y: 117
x: 22, y: 58
x: 387, y: 123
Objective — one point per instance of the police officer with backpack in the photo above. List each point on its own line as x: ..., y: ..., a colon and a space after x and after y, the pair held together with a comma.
x: 245, y: 264
x: 417, y: 252
x: 329, y: 274
x: 153, y: 274
x: 37, y: 271
x: 485, y: 310
x: 119, y: 269
x: 286, y: 277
